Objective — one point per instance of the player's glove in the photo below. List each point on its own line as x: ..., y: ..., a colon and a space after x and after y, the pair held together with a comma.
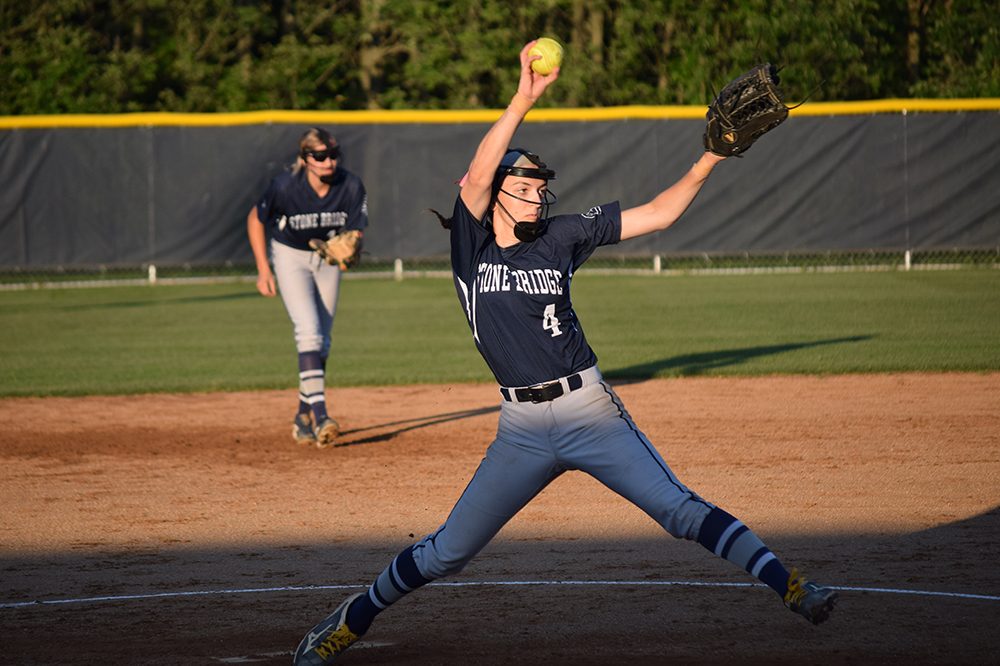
x: 344, y: 249
x: 744, y: 111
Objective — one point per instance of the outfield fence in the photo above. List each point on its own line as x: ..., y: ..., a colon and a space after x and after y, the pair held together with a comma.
x: 438, y: 267
x: 155, y: 198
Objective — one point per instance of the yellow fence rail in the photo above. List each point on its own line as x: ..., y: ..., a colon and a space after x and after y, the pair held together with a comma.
x: 476, y: 116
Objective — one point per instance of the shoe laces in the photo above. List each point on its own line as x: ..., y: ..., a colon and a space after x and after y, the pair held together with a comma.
x: 795, y: 589
x: 336, y: 642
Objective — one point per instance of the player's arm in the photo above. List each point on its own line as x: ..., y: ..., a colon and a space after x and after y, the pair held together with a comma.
x: 357, y: 211
x: 258, y: 242
x: 476, y: 189
x: 670, y: 204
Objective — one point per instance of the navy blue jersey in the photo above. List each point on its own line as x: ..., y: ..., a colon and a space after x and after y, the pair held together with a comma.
x: 517, y: 298
x: 294, y: 213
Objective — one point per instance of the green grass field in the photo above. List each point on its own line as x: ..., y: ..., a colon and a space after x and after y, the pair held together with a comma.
x: 225, y: 337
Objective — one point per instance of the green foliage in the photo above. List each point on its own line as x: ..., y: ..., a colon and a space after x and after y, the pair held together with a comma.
x: 226, y: 337
x: 111, y: 56
x: 961, y: 50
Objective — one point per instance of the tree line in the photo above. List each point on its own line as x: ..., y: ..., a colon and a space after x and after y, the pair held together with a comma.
x: 204, y: 56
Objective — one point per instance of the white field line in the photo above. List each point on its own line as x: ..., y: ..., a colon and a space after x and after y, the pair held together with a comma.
x: 161, y: 595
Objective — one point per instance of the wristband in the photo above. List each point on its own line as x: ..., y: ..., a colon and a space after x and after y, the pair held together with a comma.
x: 702, y: 170
x: 520, y: 105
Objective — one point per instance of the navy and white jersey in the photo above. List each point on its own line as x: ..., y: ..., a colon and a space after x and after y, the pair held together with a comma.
x: 294, y: 213
x: 517, y: 299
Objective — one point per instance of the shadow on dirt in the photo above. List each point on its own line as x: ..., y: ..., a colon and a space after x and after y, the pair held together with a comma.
x: 916, y: 598
x: 408, y: 425
x: 922, y: 597
x: 685, y: 365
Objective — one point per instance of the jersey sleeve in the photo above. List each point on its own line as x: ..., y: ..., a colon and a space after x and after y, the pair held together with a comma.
x: 356, y: 207
x: 601, y: 225
x: 269, y: 206
x: 467, y: 236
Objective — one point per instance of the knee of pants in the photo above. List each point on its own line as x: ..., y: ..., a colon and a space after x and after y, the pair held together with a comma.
x: 443, y: 569
x: 434, y: 561
x: 684, y: 520
x: 312, y: 343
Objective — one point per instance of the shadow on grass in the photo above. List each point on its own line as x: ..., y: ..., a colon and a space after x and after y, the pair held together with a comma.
x: 164, y: 301
x: 686, y: 365
x: 690, y: 365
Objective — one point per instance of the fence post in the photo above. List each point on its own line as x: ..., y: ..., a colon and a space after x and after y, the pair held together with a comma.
x: 397, y: 269
x: 906, y: 260
x: 657, y: 263
x: 152, y: 274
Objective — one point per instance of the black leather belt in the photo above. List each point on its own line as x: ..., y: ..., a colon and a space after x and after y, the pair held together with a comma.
x: 543, y: 393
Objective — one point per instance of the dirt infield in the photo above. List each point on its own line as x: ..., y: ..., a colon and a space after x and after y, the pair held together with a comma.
x: 188, y: 529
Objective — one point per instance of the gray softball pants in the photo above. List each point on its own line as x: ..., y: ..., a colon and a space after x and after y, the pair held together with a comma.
x: 309, y: 288
x: 588, y: 430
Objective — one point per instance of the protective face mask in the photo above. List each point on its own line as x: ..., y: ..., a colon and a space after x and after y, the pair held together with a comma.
x: 526, y: 232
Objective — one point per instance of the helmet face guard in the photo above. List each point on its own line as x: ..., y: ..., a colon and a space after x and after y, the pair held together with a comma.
x: 529, y: 231
x: 516, y: 163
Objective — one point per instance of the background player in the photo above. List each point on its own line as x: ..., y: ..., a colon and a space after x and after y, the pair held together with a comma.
x: 313, y: 199
x: 512, y: 268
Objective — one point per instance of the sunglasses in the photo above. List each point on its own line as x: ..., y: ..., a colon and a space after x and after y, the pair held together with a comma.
x: 323, y: 155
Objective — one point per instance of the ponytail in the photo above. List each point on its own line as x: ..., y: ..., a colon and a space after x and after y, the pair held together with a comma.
x: 445, y: 221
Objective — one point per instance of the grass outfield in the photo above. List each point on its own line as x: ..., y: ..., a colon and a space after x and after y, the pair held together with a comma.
x: 225, y: 337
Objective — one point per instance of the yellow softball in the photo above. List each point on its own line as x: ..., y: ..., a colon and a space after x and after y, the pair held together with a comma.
x: 551, y: 52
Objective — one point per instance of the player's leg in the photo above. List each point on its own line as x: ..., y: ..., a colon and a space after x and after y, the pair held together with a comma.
x: 327, y: 279
x: 729, y: 538
x: 508, y: 478
x: 312, y: 396
x: 294, y: 272
x: 617, y: 453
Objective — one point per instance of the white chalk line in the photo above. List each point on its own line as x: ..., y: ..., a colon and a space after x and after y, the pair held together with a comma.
x: 161, y: 595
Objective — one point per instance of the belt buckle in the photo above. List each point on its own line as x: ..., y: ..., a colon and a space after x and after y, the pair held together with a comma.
x: 545, y: 393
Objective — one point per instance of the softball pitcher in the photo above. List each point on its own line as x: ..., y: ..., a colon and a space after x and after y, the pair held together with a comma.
x: 313, y: 200
x: 512, y: 268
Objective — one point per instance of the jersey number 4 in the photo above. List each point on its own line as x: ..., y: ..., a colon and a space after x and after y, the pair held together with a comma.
x: 549, y: 321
